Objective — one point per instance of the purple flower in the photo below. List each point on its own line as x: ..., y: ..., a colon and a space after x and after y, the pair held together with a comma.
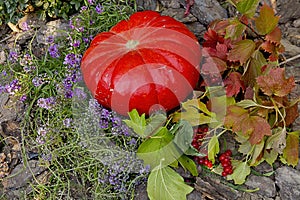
x: 23, y: 98
x: 50, y: 39
x: 67, y: 82
x: 79, y: 93
x: 69, y: 94
x: 72, y: 60
x: 25, y: 26
x: 83, y: 8
x: 13, y: 87
x: 99, y: 9
x: 37, y: 81
x: 86, y: 40
x: 13, y: 56
x: 91, y: 2
x: 76, y: 43
x: 47, y: 103
x: 53, y: 51
x: 67, y: 122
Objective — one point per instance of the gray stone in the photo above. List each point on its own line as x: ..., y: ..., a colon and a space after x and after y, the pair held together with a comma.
x: 207, y: 11
x: 266, y: 185
x: 178, y: 14
x: 197, y: 28
x: 56, y: 28
x: 288, y: 181
x: 195, y: 195
x: 296, y: 23
x: 288, y: 10
x: 170, y: 3
x: 7, y: 112
x: 147, y: 4
x: 2, y: 57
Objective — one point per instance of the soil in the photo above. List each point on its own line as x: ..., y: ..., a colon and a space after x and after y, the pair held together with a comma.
x: 278, y: 186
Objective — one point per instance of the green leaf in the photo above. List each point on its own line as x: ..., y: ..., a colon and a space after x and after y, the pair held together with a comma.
x: 267, y: 21
x: 195, y: 112
x: 154, y: 122
x: 241, y: 171
x: 188, y: 164
x: 256, y: 154
x: 253, y: 70
x: 235, y: 29
x: 246, y: 103
x: 213, y: 148
x: 183, y: 138
x: 270, y: 156
x: 165, y: 184
x: 136, y: 122
x: 241, y: 51
x: 247, y: 7
x: 159, y: 149
x: 291, y: 151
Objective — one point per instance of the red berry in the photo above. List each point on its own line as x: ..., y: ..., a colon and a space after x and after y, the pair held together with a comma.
x: 201, y: 161
x: 205, y: 129
x: 226, y: 160
x: 228, y: 169
x: 225, y: 164
x: 209, y: 164
x: 222, y: 157
x: 228, y: 152
x: 206, y: 162
x: 224, y: 173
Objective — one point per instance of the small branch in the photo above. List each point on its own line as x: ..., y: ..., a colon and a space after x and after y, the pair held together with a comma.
x: 8, y: 37
x: 290, y: 59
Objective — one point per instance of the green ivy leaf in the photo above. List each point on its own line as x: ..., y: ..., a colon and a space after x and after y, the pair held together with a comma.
x: 165, y: 183
x: 159, y: 149
x: 213, y: 148
x: 136, y: 122
x: 188, y: 164
x: 267, y: 21
x: 246, y: 103
x: 183, y: 138
x: 247, y: 7
x: 241, y: 171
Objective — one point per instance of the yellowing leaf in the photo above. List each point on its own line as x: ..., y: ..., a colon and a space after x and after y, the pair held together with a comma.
x: 241, y: 51
x: 275, y: 83
x: 213, y: 148
x: 241, y: 171
x: 247, y: 7
x: 165, y: 183
x: 291, y: 151
x: 195, y: 112
x: 239, y: 119
x: 257, y: 153
x: 235, y: 29
x: 267, y: 21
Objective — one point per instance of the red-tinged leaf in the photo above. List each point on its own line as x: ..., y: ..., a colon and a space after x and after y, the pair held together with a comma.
x: 211, y: 38
x: 235, y: 29
x: 234, y: 84
x: 213, y: 65
x: 291, y: 151
x: 241, y: 51
x: 267, y: 21
x: 275, y: 83
x: 274, y: 36
x: 272, y: 48
x: 292, y: 114
x: 247, y: 7
x: 239, y: 119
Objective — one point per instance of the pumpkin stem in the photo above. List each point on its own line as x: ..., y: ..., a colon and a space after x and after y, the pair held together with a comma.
x: 131, y: 44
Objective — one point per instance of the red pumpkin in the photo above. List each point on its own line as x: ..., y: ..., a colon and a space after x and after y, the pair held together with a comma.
x: 141, y: 62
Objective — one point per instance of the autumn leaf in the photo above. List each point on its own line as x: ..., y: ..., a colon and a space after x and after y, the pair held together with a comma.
x: 275, y: 83
x: 235, y: 29
x: 267, y: 21
x: 234, y: 84
x: 211, y: 38
x: 213, y: 65
x: 274, y: 36
x: 273, y: 49
x: 253, y: 70
x: 291, y: 151
x: 239, y: 119
x: 241, y: 51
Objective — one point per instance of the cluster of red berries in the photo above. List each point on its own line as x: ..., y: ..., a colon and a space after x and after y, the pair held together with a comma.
x: 199, y: 134
x: 225, y: 160
x: 204, y: 161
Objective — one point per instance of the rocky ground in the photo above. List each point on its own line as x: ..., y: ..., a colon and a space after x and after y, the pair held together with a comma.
x: 282, y: 184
